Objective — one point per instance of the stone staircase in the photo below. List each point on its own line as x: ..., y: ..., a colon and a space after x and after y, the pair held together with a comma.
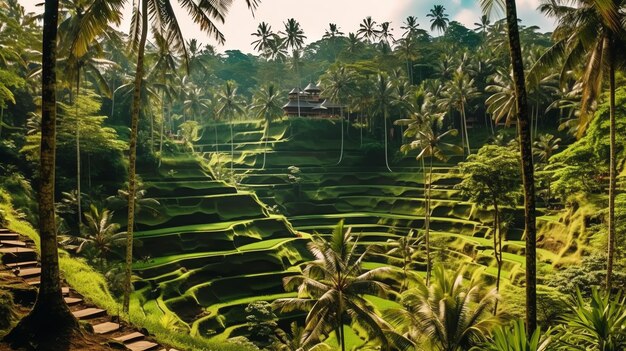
x: 18, y: 256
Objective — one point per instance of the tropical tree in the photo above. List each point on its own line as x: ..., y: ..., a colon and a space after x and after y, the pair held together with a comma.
x: 294, y: 38
x: 164, y: 19
x: 50, y: 316
x: 409, y: 26
x: 438, y: 18
x: 367, y: 29
x: 331, y: 289
x: 402, y: 252
x: 264, y: 35
x: 525, y: 144
x: 482, y: 25
x: 335, y: 82
x: 591, y: 33
x: 267, y: 106
x: 426, y: 129
x: 449, y: 314
x: 383, y: 97
x: 332, y: 33
x: 491, y: 178
x: 101, y: 233
x: 457, y: 94
x: 229, y: 106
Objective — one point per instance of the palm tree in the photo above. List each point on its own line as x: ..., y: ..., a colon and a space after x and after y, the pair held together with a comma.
x: 164, y: 19
x: 331, y: 288
x: 410, y: 27
x: 457, y: 94
x: 294, y: 39
x: 354, y: 44
x: 591, y: 33
x: 385, y: 35
x: 438, y: 18
x: 332, y: 33
x: 449, y: 314
x: 426, y: 129
x: 383, y: 97
x: 266, y: 103
x: 335, y: 82
x: 367, y: 29
x: 50, y: 313
x: 406, y: 50
x: 404, y: 250
x: 229, y: 106
x: 482, y: 25
x: 525, y: 143
x: 101, y: 233
x: 265, y: 36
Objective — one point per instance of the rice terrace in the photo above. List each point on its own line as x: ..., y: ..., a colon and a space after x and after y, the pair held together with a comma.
x: 293, y: 176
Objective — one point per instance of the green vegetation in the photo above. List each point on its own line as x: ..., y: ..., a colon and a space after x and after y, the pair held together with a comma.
x: 219, y: 228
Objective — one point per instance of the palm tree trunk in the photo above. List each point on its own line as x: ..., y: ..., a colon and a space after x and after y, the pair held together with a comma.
x: 266, y: 136
x: 469, y: 151
x: 232, y: 149
x: 612, y: 172
x: 133, y: 155
x: 386, y: 131
x: 427, y: 220
x: 78, y: 190
x: 50, y: 317
x: 341, y: 121
x: 497, y: 247
x: 527, y: 166
x: 162, y: 128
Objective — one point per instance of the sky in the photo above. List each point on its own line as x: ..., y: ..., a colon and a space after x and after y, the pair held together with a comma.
x: 314, y: 17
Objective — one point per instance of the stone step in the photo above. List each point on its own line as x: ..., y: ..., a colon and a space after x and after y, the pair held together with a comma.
x: 72, y: 300
x: 142, y: 345
x: 12, y: 243
x: 4, y: 230
x: 129, y: 337
x: 17, y: 254
x: 9, y: 236
x: 28, y: 272
x: 105, y: 328
x: 23, y: 264
x: 65, y: 291
x: 33, y: 281
x: 88, y: 313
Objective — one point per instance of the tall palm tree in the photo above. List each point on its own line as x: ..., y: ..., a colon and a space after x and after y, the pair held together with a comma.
x: 410, y: 26
x: 438, y: 18
x: 229, y: 106
x: 354, y: 44
x: 294, y: 38
x: 525, y: 143
x: 592, y: 33
x: 267, y: 106
x: 482, y: 26
x: 335, y: 82
x: 163, y: 18
x: 332, y: 33
x: 426, y: 129
x: 449, y: 314
x: 264, y: 35
x: 367, y: 29
x: 385, y: 35
x: 331, y: 289
x: 407, y: 50
x: 457, y: 94
x: 383, y: 97
x: 50, y: 313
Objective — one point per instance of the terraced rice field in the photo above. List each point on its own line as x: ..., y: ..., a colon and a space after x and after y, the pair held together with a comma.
x: 214, y: 248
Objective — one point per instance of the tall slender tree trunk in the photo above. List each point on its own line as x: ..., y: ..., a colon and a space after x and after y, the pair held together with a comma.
x: 527, y: 166
x: 469, y: 151
x: 50, y: 318
x: 341, y: 122
x: 266, y: 136
x: 132, y: 158
x: 612, y: 172
x: 78, y: 190
x: 386, y: 146
x: 497, y: 248
x: 232, y: 150
x: 162, y: 129
x: 427, y: 220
